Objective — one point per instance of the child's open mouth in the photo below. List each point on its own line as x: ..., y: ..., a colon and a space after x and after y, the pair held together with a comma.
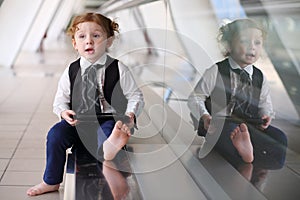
x: 250, y: 55
x: 89, y: 50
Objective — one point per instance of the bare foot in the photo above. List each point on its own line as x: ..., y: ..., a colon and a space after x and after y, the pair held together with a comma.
x: 116, y: 140
x: 41, y: 189
x: 240, y: 138
x: 117, y: 183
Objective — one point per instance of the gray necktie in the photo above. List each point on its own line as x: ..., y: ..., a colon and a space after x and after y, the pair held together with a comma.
x: 90, y: 90
x: 243, y: 95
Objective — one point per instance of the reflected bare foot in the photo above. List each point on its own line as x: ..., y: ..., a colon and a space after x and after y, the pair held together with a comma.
x: 240, y: 138
x: 116, y: 140
x: 117, y: 183
x: 41, y: 189
x: 246, y: 170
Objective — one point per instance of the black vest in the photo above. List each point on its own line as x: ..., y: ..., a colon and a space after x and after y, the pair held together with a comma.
x: 113, y: 92
x: 220, y: 99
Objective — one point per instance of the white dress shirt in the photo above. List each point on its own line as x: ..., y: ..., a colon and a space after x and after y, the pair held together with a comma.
x: 127, y: 83
x: 204, y: 88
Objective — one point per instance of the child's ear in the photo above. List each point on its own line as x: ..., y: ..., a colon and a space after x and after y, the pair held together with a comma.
x: 74, y: 44
x: 109, y: 41
x: 227, y: 47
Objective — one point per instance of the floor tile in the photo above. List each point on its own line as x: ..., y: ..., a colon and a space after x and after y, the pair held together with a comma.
x: 21, y: 178
x: 11, y: 127
x: 29, y: 143
x: 8, y: 143
x: 37, y: 135
x: 19, y: 193
x: 7, y: 118
x: 25, y: 164
x: 10, y: 135
x: 3, y: 164
x: 6, y: 152
x: 30, y: 153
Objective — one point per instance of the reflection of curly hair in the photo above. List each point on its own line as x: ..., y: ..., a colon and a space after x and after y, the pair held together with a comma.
x: 109, y: 26
x: 232, y: 30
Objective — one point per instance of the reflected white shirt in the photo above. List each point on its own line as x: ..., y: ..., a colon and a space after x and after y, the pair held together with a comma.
x: 204, y: 88
x: 127, y: 83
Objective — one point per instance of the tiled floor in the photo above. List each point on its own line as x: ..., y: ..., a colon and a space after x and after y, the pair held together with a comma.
x: 25, y: 117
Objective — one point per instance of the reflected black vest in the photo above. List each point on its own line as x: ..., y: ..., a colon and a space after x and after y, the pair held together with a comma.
x: 113, y: 92
x: 223, y: 83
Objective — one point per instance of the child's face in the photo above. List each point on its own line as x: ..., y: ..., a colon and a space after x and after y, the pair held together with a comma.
x: 246, y: 48
x: 91, y: 41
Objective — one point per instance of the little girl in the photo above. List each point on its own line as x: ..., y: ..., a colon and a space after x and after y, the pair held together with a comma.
x: 237, y: 91
x: 115, y: 92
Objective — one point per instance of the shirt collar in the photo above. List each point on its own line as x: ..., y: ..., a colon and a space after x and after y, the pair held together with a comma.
x: 234, y: 65
x: 84, y: 63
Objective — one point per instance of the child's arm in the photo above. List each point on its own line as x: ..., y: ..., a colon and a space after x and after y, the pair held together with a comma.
x: 265, y: 104
x: 132, y: 92
x: 203, y: 89
x: 62, y: 96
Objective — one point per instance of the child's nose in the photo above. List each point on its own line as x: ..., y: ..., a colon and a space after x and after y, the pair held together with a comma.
x: 251, y: 45
x: 89, y: 40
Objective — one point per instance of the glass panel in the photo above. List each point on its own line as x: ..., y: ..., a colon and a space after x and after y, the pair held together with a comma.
x: 170, y: 44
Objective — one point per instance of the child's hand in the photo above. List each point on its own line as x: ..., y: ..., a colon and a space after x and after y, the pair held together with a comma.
x: 131, y: 124
x: 68, y: 116
x: 267, y: 120
x: 206, y: 120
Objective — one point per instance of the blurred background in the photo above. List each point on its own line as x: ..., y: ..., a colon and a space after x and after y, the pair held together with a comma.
x: 180, y: 36
x: 167, y: 44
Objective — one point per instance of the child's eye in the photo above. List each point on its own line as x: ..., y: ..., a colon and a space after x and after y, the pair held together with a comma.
x: 257, y: 42
x: 97, y: 35
x: 244, y: 41
x: 81, y: 36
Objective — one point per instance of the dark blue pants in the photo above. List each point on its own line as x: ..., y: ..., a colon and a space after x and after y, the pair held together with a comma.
x: 63, y: 136
x: 269, y: 145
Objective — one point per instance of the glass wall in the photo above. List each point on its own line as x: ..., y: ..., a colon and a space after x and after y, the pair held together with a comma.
x: 169, y: 44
